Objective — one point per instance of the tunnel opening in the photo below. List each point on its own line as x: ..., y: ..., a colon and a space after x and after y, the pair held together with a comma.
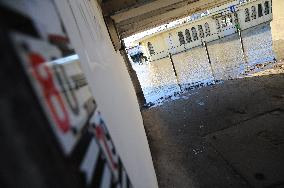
x: 188, y: 53
x: 216, y: 111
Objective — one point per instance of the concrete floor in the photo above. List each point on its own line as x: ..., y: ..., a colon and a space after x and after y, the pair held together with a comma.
x: 180, y: 135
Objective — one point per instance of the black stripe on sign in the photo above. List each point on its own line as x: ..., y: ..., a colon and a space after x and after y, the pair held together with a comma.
x: 98, y: 172
x: 81, y: 147
x: 119, y: 170
x: 113, y: 183
x: 128, y: 182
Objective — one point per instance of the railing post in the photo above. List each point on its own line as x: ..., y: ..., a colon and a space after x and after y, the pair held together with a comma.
x: 242, y: 45
x: 209, y: 60
x: 173, y: 65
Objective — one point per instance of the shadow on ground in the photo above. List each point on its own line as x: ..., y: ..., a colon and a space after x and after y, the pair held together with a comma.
x: 226, y: 135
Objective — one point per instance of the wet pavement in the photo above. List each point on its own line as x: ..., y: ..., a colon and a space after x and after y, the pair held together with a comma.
x: 224, y: 135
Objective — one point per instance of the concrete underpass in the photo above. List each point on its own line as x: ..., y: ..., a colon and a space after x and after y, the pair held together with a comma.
x: 225, y: 135
x: 228, y: 134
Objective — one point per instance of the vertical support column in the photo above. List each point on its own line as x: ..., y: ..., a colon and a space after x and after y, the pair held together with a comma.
x: 118, y: 44
x: 115, y: 39
x: 242, y: 45
x: 238, y: 26
x: 134, y: 78
x: 174, y: 68
x: 277, y: 28
x: 209, y: 60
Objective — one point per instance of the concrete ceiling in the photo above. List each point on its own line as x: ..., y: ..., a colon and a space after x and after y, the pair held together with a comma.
x: 133, y: 16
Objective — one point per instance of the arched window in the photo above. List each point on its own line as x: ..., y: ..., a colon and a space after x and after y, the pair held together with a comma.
x: 247, y: 17
x: 181, y: 38
x: 253, y: 12
x: 259, y: 9
x: 223, y: 22
x: 207, y: 29
x: 266, y: 7
x: 236, y: 19
x: 201, y: 32
x: 188, y: 36
x: 151, y: 48
x: 194, y: 33
x: 171, y: 41
x: 229, y: 20
x: 218, y: 25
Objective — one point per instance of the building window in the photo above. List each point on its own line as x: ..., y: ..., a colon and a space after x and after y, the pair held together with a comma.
x: 247, y: 19
x: 253, y: 12
x: 151, y: 48
x: 259, y: 9
x: 194, y: 33
x: 266, y: 7
x: 224, y: 21
x: 207, y: 29
x: 181, y: 38
x: 229, y: 20
x: 188, y: 36
x: 236, y: 19
x: 201, y: 32
x: 218, y: 25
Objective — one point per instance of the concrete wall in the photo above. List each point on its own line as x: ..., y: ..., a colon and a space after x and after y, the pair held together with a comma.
x: 257, y: 21
x: 111, y: 86
x: 168, y: 41
x: 134, y: 79
x: 157, y: 79
x: 258, y: 44
x: 162, y: 46
x: 226, y: 57
x: 192, y: 66
x: 277, y: 27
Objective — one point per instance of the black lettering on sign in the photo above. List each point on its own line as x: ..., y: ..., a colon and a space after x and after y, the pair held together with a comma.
x: 79, y: 80
x: 67, y: 89
x: 98, y: 173
x: 80, y: 150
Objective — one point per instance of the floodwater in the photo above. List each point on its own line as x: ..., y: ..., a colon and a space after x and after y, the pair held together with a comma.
x: 228, y: 61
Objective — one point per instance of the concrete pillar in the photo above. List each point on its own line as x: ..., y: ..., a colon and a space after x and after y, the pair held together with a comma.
x: 118, y: 44
x: 134, y: 78
x: 277, y: 28
x: 111, y: 87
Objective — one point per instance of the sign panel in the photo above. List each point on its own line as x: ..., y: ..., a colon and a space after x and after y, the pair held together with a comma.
x: 71, y: 109
x: 63, y: 92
